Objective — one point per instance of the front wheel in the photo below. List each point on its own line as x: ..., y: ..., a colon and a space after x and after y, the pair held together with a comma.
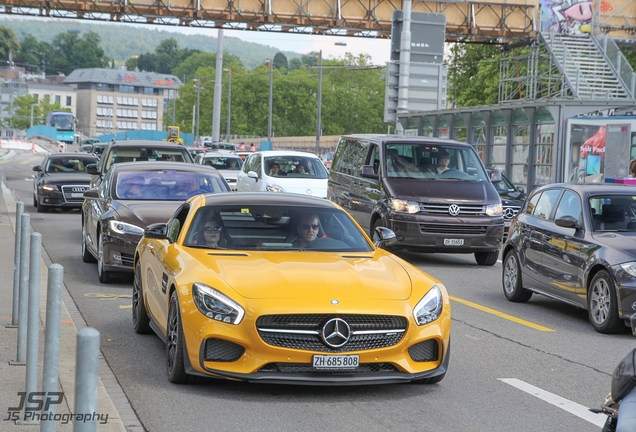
x: 141, y: 321
x: 511, y: 279
x: 602, y: 305
x: 486, y: 258
x: 174, y: 344
x: 103, y: 275
x: 87, y: 257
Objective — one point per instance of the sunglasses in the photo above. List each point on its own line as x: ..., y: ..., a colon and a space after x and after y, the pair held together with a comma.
x: 309, y: 227
x: 213, y: 228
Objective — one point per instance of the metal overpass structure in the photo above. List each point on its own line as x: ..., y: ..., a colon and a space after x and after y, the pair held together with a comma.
x: 480, y: 20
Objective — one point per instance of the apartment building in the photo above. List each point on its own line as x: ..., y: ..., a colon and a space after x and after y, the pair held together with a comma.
x: 115, y: 100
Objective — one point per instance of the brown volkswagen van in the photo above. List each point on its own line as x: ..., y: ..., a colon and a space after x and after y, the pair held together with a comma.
x: 434, y: 194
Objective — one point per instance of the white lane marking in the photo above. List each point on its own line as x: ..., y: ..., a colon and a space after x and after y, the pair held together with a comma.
x: 565, y: 404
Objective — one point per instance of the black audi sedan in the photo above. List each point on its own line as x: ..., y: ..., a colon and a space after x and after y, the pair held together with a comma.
x: 132, y: 196
x: 60, y: 181
x: 576, y: 243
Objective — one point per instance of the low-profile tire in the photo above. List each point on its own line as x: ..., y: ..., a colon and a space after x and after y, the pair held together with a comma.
x: 103, y: 275
x: 42, y: 209
x: 141, y: 321
x: 87, y: 257
x: 602, y: 305
x: 174, y: 344
x: 35, y: 201
x: 486, y: 258
x: 511, y: 279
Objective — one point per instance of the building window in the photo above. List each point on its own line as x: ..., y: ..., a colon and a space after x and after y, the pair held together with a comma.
x: 104, y: 99
x: 58, y: 99
x: 126, y: 89
x: 35, y: 97
x: 68, y: 100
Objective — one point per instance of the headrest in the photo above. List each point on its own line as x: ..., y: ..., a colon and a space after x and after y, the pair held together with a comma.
x: 613, y: 213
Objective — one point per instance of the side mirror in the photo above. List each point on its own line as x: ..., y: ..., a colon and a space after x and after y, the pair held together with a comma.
x: 252, y: 174
x: 92, y: 169
x: 37, y: 168
x: 91, y: 193
x: 495, y: 176
x: 520, y: 189
x: 156, y: 231
x: 567, y: 222
x: 367, y: 172
x: 383, y: 237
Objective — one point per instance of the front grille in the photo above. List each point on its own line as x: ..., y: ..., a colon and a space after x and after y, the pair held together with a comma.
x: 303, y: 331
x: 509, y: 212
x: 464, y: 209
x: 453, y: 229
x: 308, y: 368
x: 69, y: 190
x: 127, y: 259
x: 220, y: 350
x: 425, y: 351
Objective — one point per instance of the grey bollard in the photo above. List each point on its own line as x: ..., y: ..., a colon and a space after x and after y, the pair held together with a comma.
x: 19, y: 209
x: 86, y: 379
x: 51, y: 364
x: 24, y: 290
x: 0, y: 187
x: 33, y: 318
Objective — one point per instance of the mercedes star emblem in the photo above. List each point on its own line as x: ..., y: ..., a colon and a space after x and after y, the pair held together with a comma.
x: 453, y: 210
x: 336, y: 332
x: 308, y: 191
x: 508, y: 213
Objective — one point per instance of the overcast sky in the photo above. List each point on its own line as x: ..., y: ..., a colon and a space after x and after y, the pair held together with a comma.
x: 378, y: 49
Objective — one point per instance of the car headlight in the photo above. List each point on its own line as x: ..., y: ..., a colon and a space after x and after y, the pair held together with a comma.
x: 125, y: 228
x: 405, y: 206
x: 49, y: 187
x: 216, y: 305
x: 274, y: 188
x: 494, y: 209
x: 629, y: 267
x: 429, y: 308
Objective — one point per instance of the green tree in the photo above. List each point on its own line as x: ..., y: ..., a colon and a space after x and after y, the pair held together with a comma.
x: 473, y: 74
x: 32, y: 54
x: 294, y: 64
x: 70, y: 51
x: 8, y: 43
x: 21, y: 118
x: 280, y: 61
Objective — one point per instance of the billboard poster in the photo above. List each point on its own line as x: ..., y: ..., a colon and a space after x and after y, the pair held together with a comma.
x: 598, y: 149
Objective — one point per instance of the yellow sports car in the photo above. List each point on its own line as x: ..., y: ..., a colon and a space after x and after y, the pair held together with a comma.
x: 283, y: 288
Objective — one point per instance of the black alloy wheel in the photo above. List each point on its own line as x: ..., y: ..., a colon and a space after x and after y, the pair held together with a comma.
x: 174, y: 344
x: 141, y: 321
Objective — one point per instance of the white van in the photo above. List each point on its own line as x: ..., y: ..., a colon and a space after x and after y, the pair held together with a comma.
x: 283, y: 171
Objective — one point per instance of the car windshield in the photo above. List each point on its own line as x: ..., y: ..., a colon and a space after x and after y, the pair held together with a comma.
x: 295, y: 166
x: 68, y: 165
x: 233, y: 163
x: 504, y: 185
x: 275, y: 228
x: 99, y: 148
x: 426, y: 161
x: 613, y: 212
x: 170, y: 185
x: 138, y: 154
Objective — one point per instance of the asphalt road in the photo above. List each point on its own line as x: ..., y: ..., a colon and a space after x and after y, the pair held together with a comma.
x: 514, y: 367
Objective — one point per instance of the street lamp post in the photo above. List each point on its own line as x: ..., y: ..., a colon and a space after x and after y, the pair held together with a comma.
x: 269, y: 119
x: 229, y: 102
x: 319, y: 97
x: 198, y: 116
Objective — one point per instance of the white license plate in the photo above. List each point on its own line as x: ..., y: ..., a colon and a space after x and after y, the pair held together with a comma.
x: 77, y: 195
x: 507, y: 224
x: 453, y: 242
x: 336, y: 361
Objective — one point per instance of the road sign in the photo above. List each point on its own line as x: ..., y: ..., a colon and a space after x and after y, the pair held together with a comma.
x: 428, y: 33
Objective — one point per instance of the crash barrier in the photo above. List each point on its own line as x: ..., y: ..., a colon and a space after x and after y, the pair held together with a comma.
x: 27, y: 316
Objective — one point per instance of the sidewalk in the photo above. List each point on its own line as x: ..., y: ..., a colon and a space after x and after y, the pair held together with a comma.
x: 116, y: 414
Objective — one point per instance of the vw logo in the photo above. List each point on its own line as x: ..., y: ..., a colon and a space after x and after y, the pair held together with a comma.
x: 336, y: 332
x: 508, y: 213
x: 308, y: 191
x: 78, y: 189
x: 453, y: 210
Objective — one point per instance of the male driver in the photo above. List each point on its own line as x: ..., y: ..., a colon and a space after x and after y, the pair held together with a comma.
x: 307, y: 227
x: 443, y: 159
